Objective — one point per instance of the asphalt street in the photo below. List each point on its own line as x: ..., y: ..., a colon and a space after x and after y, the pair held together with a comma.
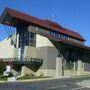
x: 56, y: 84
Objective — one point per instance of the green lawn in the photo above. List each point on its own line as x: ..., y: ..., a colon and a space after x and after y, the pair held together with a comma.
x: 31, y: 77
x: 24, y: 77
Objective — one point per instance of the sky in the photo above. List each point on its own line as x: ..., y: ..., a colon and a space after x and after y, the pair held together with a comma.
x: 71, y: 14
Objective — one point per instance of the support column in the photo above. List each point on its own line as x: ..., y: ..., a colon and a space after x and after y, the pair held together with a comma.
x: 59, y: 69
x: 79, y: 67
x: 15, y: 52
x: 83, y: 66
x: 74, y: 66
x: 17, y: 40
x: 23, y: 71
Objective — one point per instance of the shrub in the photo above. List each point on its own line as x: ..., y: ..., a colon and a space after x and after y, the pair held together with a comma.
x: 27, y: 75
x: 31, y: 74
x: 41, y: 74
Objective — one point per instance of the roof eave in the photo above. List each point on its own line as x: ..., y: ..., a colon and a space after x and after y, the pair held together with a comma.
x: 36, y: 21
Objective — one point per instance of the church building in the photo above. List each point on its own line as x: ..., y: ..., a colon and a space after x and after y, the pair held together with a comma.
x: 42, y: 47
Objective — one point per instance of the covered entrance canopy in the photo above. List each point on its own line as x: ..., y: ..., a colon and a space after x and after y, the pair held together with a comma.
x: 68, y: 49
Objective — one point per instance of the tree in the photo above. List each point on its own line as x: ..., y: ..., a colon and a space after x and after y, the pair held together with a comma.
x: 2, y: 67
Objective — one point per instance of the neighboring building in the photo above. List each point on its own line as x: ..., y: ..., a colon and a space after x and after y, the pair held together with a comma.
x: 43, y: 47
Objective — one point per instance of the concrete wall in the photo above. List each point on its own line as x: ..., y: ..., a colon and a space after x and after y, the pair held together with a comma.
x: 87, y: 66
x: 49, y: 55
x: 6, y: 49
x: 30, y: 52
x: 44, y: 49
x: 26, y: 71
x: 48, y: 52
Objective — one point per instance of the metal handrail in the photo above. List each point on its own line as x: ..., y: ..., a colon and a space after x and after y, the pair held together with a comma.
x: 24, y: 59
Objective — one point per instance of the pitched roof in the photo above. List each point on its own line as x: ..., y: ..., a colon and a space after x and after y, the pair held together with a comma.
x: 43, y: 23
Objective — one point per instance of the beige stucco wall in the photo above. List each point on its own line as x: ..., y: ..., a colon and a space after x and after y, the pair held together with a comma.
x: 42, y: 41
x: 6, y: 49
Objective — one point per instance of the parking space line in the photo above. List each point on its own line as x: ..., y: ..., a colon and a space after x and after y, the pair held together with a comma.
x: 77, y: 88
x: 53, y: 87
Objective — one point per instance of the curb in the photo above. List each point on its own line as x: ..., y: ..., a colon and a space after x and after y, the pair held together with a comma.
x: 3, y: 81
x: 35, y: 80
x: 44, y: 79
x: 80, y: 76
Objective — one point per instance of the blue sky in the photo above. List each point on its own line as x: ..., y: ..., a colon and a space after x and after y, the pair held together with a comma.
x: 72, y: 14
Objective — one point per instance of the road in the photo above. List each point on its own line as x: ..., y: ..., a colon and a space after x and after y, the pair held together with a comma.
x: 56, y: 84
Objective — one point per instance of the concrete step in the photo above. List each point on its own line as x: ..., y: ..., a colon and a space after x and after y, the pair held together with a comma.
x: 11, y: 79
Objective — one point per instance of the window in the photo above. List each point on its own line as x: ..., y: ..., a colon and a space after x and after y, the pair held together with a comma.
x: 58, y: 35
x: 32, y: 39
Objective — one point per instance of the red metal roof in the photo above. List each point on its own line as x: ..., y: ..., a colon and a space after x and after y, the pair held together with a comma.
x: 44, y: 23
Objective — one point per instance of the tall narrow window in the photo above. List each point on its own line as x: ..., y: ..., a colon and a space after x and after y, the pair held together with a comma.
x: 32, y: 39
